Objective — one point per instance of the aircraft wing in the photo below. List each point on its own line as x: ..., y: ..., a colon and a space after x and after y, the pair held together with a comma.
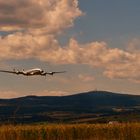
x: 54, y: 72
x: 14, y: 72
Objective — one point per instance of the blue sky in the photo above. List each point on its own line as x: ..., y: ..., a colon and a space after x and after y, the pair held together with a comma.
x: 96, y: 42
x: 113, y: 21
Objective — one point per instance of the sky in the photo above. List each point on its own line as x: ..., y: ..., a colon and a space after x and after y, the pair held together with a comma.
x: 97, y: 42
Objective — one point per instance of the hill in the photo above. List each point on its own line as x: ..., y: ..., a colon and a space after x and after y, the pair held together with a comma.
x: 93, y: 106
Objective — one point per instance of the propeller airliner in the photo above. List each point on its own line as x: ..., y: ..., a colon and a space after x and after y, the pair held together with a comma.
x: 32, y: 72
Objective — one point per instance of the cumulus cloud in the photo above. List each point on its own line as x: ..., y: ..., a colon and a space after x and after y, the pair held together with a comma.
x: 23, y: 46
x: 38, y: 15
x: 36, y: 24
x: 128, y: 65
x: 116, y: 63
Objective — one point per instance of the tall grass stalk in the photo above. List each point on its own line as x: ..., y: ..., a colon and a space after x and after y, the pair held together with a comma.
x: 122, y: 131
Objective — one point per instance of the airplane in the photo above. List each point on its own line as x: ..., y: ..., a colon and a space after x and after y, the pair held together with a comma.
x: 31, y: 72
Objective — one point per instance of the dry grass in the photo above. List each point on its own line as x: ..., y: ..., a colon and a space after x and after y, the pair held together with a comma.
x: 126, y: 131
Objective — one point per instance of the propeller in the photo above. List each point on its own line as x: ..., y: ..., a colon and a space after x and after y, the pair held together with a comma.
x: 17, y: 71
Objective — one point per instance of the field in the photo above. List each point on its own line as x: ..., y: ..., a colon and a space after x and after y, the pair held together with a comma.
x: 118, y: 131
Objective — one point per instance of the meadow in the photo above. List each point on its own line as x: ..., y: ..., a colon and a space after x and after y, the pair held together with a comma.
x: 120, y: 131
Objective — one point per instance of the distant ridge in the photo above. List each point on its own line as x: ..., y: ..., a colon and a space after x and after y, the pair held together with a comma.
x: 72, y: 95
x: 83, y: 93
x: 40, y: 108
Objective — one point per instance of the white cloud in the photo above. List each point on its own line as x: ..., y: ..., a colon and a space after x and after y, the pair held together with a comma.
x: 38, y: 23
x: 127, y: 65
x: 38, y: 15
x: 116, y: 63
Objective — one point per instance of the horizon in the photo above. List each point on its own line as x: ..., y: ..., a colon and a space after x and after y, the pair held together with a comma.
x: 96, y: 42
x: 72, y: 94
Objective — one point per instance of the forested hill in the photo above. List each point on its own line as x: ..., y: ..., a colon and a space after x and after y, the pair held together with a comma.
x: 89, y: 102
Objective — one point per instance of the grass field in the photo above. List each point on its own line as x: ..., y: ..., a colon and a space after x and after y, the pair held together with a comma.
x: 125, y: 131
